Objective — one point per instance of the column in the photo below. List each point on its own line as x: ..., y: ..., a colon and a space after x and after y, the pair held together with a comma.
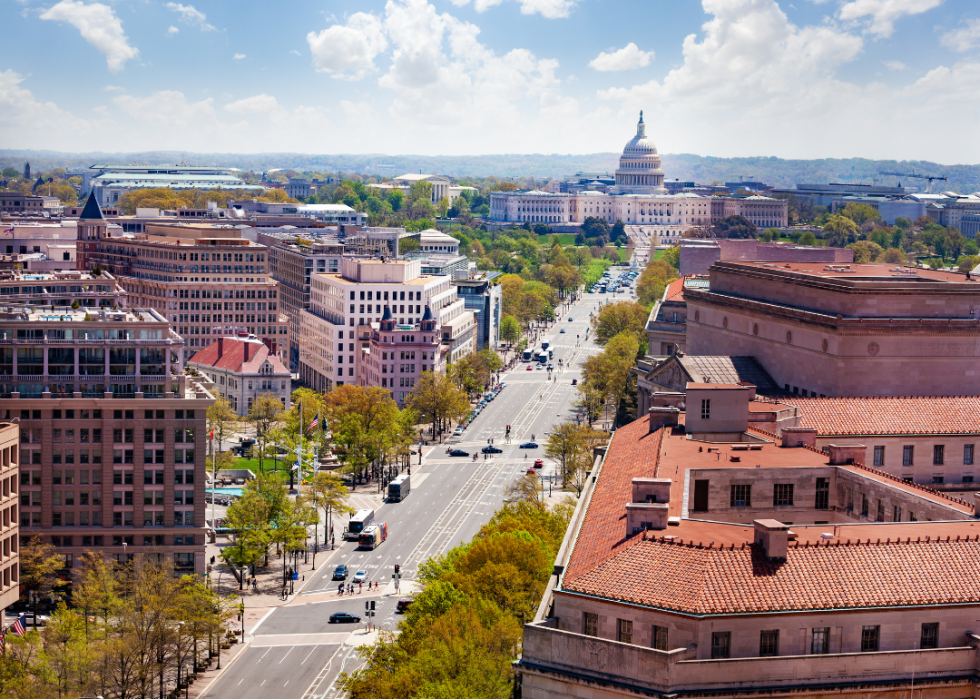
x: 76, y: 350
x: 136, y: 377
x: 15, y: 358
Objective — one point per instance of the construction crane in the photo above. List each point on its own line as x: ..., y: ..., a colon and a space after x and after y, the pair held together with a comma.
x: 931, y: 178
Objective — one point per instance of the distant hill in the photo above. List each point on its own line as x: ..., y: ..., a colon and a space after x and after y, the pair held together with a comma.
x: 776, y: 171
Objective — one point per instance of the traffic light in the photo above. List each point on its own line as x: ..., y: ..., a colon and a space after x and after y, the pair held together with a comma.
x: 397, y: 569
x: 367, y: 606
x: 372, y: 605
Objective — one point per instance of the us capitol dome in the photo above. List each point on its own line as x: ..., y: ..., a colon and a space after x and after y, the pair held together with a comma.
x: 639, y: 166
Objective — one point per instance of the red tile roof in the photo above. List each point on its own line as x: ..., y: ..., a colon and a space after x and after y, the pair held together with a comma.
x: 739, y: 578
x: 889, y: 415
x: 229, y: 354
x: 675, y: 290
x: 699, y: 577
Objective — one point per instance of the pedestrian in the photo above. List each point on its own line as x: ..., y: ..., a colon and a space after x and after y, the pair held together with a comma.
x: 360, y: 587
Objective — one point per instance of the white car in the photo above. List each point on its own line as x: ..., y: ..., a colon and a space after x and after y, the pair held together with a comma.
x: 458, y: 431
x: 360, y: 576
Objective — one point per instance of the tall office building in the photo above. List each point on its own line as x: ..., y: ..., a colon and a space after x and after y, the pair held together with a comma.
x: 9, y: 523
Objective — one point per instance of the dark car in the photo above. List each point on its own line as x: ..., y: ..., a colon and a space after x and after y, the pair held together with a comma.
x: 575, y: 382
x: 492, y: 450
x: 459, y: 452
x: 529, y: 445
x: 344, y: 618
x: 340, y: 572
x: 403, y: 605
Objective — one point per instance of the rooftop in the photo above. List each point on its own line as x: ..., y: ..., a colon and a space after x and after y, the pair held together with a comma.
x: 855, y: 272
x: 889, y: 415
x: 38, y: 314
x: 239, y: 355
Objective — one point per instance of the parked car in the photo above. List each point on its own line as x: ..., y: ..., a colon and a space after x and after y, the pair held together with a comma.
x: 570, y: 319
x: 459, y: 452
x: 344, y: 618
x: 538, y: 463
x: 563, y: 331
x: 529, y: 445
x: 575, y: 382
x: 340, y: 572
x: 458, y: 431
x: 30, y: 619
x: 490, y: 449
x: 403, y: 605
x: 360, y: 576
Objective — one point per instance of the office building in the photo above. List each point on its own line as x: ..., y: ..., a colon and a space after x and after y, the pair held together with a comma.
x: 208, y: 281
x: 61, y: 289
x: 681, y: 575
x: 344, y: 307
x: 110, y: 183
x: 241, y: 369
x: 397, y: 355
x: 9, y: 521
x: 15, y: 204
x: 484, y: 298
x: 112, y: 448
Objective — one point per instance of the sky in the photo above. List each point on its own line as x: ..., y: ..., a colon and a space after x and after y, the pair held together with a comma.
x: 890, y: 79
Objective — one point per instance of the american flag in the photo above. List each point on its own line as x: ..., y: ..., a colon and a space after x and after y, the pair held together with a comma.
x: 9, y: 231
x: 18, y: 627
x: 3, y: 641
x: 316, y: 421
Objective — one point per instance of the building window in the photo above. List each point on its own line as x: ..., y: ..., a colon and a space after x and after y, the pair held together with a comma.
x: 705, y: 409
x: 879, y: 456
x: 881, y: 512
x: 869, y: 639
x: 782, y: 494
x: 865, y: 507
x: 625, y: 631
x: 908, y: 451
x: 938, y: 452
x: 823, y: 494
x: 590, y: 624
x: 720, y: 644
x: 937, y: 480
x: 820, y: 644
x: 741, y: 496
x: 897, y: 514
x: 930, y: 636
x: 769, y: 643
x: 658, y: 638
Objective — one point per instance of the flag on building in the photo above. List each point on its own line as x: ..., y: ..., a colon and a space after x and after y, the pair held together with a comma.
x: 3, y: 641
x: 211, y: 436
x: 18, y: 627
x: 9, y: 231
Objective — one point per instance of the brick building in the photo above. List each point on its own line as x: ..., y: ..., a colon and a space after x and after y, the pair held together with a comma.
x: 697, y: 255
x: 206, y: 280
x: 242, y: 369
x: 398, y: 354
x: 112, y: 448
x: 9, y: 522
x: 708, y: 557
x: 842, y: 330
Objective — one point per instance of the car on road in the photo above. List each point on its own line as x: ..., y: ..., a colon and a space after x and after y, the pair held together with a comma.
x: 540, y: 366
x: 529, y: 445
x: 459, y: 452
x: 529, y: 367
x: 563, y: 331
x: 360, y: 576
x: 32, y: 619
x: 403, y: 604
x: 575, y: 382
x: 344, y: 618
x: 340, y: 572
x: 458, y: 431
x: 531, y: 470
x: 570, y: 319
x: 490, y: 449
x: 538, y: 463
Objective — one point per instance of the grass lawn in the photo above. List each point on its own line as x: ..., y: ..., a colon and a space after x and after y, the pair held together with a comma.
x: 563, y: 239
x: 268, y: 465
x: 593, y: 271
x: 658, y: 254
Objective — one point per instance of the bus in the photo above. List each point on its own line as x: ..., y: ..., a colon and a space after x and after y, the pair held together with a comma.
x: 544, y: 345
x: 399, y: 488
x: 542, y: 354
x: 373, y: 535
x: 527, y: 355
x: 360, y: 520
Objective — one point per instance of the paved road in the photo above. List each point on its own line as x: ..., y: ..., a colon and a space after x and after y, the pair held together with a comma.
x: 296, y: 653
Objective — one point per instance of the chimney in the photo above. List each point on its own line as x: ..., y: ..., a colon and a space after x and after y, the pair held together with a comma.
x: 773, y: 537
x: 799, y: 436
x: 663, y: 415
x: 846, y: 454
x: 649, y: 506
x: 221, y: 346
x: 247, y: 345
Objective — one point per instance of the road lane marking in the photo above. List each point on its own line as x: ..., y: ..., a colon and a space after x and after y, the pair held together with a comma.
x: 308, y: 656
x: 287, y: 653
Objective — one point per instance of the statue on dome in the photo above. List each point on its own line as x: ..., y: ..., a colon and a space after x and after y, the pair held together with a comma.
x: 641, y: 116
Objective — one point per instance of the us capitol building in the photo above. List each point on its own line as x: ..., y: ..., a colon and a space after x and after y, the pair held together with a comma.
x: 638, y: 198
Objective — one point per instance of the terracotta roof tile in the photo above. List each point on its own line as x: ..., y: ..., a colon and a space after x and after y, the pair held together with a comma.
x: 889, y: 415
x: 232, y: 356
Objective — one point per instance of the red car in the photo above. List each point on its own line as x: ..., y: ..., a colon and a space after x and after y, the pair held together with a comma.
x: 532, y: 471
x: 538, y: 463
x: 529, y: 367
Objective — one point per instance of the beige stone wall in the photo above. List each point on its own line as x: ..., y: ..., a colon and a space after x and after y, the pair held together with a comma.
x: 952, y: 470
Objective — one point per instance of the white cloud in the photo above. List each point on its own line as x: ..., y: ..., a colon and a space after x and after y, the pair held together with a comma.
x: 171, y: 30
x: 884, y: 13
x: 551, y: 9
x: 99, y: 26
x: 348, y: 51
x: 114, y: 88
x: 190, y: 15
x: 627, y: 58
x: 238, y: 56
x: 29, y: 122
x: 294, y: 52
x: 895, y: 65
x: 964, y: 38
x: 257, y: 104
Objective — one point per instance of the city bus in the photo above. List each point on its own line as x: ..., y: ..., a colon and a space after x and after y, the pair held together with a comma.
x: 373, y: 535
x: 360, y: 520
x: 399, y: 488
x: 542, y: 354
x: 527, y: 355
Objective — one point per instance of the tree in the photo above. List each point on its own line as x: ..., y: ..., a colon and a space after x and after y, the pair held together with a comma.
x: 510, y: 329
x: 564, y: 442
x: 438, y: 399
x: 329, y: 494
x: 618, y: 232
x: 807, y: 239
x: 526, y: 488
x: 621, y: 317
x: 866, y: 251
x: 734, y: 227
x: 442, y: 206
x: 967, y: 263
x: 653, y: 281
x: 672, y: 256
x: 10, y: 173
x: 248, y: 521
x: 839, y: 231
x: 859, y: 213
x: 221, y: 420
x: 266, y: 410
x: 39, y: 568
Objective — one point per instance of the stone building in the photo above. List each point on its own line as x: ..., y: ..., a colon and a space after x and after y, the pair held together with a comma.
x: 697, y: 255
x: 842, y: 330
x: 242, y: 369
x: 397, y: 355
x: 708, y: 557
x: 112, y: 448
x: 9, y: 521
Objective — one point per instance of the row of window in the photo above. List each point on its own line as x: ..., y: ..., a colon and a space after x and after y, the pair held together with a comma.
x: 395, y: 296
x: 116, y: 414
x: 721, y: 641
x: 782, y: 495
x: 938, y: 455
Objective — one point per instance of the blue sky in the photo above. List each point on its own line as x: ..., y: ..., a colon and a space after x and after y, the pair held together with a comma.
x: 808, y: 78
